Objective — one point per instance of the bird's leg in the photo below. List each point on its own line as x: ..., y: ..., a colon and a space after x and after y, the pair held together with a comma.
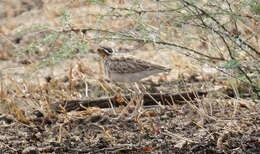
x: 137, y: 99
x: 134, y: 106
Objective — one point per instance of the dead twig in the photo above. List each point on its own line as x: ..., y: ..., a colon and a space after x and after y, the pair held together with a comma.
x: 70, y: 105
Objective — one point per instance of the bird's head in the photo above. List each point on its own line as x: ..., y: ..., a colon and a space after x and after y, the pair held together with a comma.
x: 105, y: 51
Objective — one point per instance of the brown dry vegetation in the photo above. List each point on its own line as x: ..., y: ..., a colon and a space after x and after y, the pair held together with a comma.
x: 47, y: 57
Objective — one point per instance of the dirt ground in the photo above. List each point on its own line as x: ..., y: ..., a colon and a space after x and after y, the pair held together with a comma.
x: 34, y: 77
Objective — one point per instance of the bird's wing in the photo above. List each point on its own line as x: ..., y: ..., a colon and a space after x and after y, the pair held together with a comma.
x: 132, y: 65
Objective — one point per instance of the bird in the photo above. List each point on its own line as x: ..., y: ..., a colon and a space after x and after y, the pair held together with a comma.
x: 127, y: 69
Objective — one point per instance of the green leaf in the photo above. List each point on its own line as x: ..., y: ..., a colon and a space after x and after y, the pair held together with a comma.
x: 231, y: 64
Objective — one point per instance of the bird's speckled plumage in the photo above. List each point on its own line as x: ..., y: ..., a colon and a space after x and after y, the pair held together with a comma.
x: 131, y: 65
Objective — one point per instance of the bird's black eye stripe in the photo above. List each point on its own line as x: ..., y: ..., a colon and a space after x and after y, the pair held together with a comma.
x: 107, y: 50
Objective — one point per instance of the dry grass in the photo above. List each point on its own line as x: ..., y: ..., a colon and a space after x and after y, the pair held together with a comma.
x: 47, y: 56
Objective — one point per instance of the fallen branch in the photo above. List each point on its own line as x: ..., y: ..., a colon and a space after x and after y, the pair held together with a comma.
x: 149, y: 99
